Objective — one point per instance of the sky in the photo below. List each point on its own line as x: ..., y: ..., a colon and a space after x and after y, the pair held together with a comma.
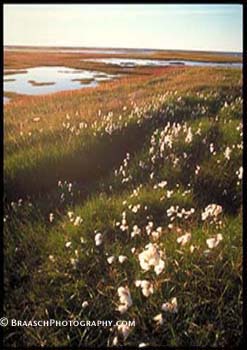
x: 154, y: 26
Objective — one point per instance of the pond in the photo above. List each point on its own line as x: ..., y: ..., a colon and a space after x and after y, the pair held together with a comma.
x: 46, y: 80
x: 6, y: 99
x: 50, y: 79
x: 133, y: 62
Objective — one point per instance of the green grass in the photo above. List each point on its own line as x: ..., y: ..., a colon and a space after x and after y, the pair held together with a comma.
x: 149, y: 119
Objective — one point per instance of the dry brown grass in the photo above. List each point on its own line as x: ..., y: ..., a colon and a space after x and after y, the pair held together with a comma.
x: 25, y: 59
x: 85, y: 103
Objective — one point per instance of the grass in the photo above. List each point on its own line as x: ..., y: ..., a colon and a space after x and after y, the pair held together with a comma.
x: 82, y: 162
x: 36, y: 83
x: 13, y: 71
x: 84, y: 81
x: 6, y: 80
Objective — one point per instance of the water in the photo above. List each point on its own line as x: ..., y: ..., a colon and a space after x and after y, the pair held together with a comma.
x: 78, y: 50
x: 50, y: 79
x: 57, y: 79
x: 134, y: 62
x: 6, y: 99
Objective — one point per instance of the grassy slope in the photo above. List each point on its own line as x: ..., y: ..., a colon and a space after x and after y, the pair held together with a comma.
x: 207, y: 284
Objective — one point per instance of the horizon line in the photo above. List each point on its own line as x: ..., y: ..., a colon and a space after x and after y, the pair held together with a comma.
x: 119, y: 48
